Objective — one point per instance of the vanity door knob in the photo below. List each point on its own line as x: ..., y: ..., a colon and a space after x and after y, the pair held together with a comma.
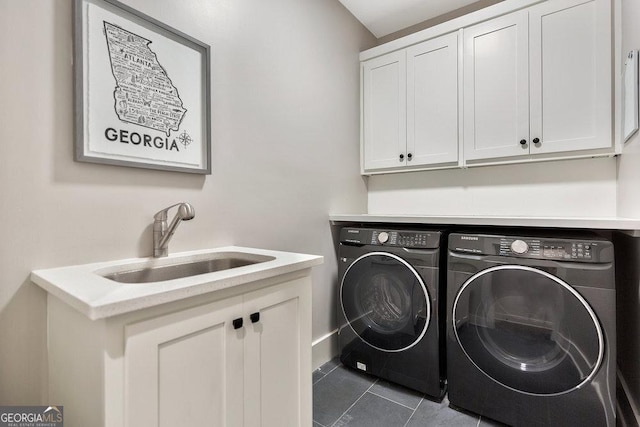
x: 401, y: 157
x: 523, y: 142
x: 237, y: 323
x: 409, y: 156
x: 536, y: 140
x: 255, y: 317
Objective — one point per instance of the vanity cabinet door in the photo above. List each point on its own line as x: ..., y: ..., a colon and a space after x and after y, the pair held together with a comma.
x: 277, y: 380
x: 185, y: 368
x: 496, y: 88
x: 241, y: 361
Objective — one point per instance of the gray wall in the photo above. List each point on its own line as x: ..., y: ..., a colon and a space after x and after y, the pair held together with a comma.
x: 285, y: 124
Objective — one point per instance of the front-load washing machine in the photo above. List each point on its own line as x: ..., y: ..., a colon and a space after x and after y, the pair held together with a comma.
x: 389, y: 306
x: 531, y: 329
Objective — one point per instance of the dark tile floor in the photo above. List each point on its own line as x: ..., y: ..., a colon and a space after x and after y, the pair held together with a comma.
x: 345, y: 397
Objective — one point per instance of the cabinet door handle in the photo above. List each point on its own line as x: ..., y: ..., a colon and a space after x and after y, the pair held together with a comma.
x: 237, y: 323
x: 536, y: 140
x: 401, y: 157
x: 409, y: 156
x: 523, y: 142
x: 255, y: 317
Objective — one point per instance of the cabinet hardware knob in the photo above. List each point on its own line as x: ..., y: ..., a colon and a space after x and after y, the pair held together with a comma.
x: 255, y: 317
x: 536, y: 140
x: 523, y: 142
x: 401, y: 157
x: 409, y: 156
x: 237, y: 323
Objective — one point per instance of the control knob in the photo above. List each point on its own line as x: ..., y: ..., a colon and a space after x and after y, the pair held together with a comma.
x: 383, y: 237
x: 519, y: 246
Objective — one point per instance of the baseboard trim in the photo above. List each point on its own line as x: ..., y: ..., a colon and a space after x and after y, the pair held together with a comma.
x: 324, y: 349
x: 627, y: 410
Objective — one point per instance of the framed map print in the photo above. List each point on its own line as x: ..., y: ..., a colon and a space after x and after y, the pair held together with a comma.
x: 142, y: 91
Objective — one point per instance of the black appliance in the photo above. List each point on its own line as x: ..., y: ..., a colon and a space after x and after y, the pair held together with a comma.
x: 389, y: 306
x: 531, y: 329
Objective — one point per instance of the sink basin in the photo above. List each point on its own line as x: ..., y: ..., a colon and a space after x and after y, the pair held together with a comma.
x: 160, y: 273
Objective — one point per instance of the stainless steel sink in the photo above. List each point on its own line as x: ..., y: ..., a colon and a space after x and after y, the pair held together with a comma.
x: 160, y: 273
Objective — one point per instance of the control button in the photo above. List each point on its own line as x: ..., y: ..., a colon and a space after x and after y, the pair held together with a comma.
x: 383, y: 237
x: 519, y: 246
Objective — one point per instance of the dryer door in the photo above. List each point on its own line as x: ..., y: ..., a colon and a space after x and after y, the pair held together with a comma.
x: 385, y: 301
x: 528, y: 330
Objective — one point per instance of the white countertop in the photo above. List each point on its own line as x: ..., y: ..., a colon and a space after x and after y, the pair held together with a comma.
x: 98, y: 297
x: 610, y: 223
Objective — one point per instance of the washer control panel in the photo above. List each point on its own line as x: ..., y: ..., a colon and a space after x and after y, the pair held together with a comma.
x: 401, y: 238
x: 561, y: 249
x: 407, y: 239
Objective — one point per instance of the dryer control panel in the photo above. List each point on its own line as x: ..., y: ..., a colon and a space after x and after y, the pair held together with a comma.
x: 383, y: 237
x: 561, y: 249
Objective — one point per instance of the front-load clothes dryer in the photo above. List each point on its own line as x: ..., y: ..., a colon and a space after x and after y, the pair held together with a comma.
x: 531, y: 329
x: 388, y: 306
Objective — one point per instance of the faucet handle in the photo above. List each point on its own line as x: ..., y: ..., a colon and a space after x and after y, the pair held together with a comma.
x: 185, y: 211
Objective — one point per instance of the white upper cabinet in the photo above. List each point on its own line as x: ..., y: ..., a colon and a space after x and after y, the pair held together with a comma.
x: 570, y: 58
x: 384, y: 95
x: 514, y: 82
x: 432, y: 101
x: 410, y: 107
x: 496, y: 88
x: 538, y: 81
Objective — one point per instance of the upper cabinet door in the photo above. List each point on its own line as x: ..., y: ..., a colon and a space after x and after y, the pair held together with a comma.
x: 384, y: 105
x: 496, y: 88
x: 432, y: 101
x: 570, y: 75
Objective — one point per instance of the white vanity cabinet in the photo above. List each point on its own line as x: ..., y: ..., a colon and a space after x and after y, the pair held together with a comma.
x: 229, y: 348
x: 538, y: 82
x: 201, y: 366
x: 410, y: 107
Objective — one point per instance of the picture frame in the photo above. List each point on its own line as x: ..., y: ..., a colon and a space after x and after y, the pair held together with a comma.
x: 142, y: 91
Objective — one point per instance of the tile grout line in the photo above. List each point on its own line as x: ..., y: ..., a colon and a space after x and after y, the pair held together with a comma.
x: 354, y: 403
x: 325, y: 375
x: 334, y: 368
x: 393, y: 401
x: 414, y: 411
x: 319, y: 379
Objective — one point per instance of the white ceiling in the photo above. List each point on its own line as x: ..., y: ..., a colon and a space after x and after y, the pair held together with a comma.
x: 384, y: 17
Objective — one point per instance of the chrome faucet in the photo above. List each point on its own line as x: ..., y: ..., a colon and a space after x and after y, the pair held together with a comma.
x: 162, y: 234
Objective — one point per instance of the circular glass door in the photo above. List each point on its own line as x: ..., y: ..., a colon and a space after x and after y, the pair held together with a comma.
x: 385, y: 301
x: 528, y: 330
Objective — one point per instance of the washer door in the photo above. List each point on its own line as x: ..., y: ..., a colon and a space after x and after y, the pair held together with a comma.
x: 528, y: 330
x: 385, y: 301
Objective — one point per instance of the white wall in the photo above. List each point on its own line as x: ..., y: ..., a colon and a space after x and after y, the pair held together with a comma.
x: 570, y: 188
x: 628, y: 284
x: 285, y: 83
x: 628, y: 162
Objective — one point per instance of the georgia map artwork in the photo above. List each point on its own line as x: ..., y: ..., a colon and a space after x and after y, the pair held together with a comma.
x: 144, y: 93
